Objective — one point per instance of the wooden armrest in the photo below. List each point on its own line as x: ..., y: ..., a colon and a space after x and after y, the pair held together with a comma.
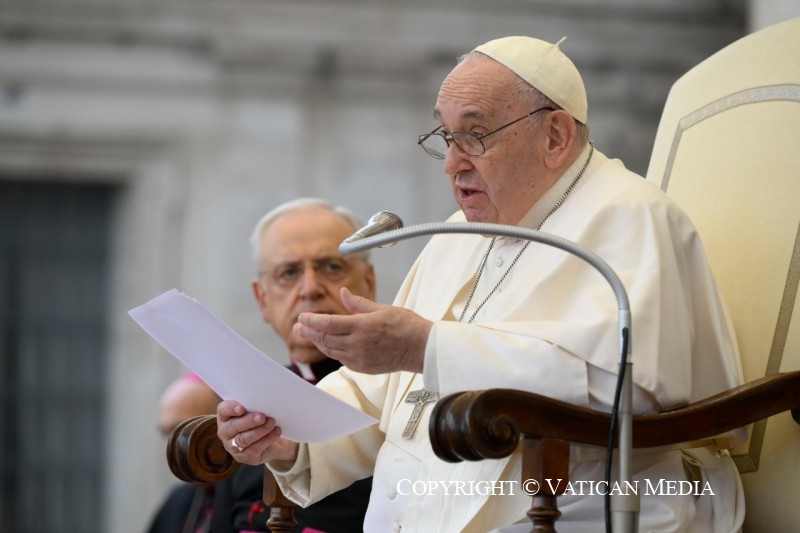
x: 195, y: 454
x: 475, y: 425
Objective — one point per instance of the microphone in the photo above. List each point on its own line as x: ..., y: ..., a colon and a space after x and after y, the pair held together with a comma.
x: 378, y: 223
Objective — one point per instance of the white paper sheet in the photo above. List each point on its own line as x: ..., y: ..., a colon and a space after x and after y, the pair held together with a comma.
x: 237, y: 370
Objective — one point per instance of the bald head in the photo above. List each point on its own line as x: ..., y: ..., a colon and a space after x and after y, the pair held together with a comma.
x: 184, y: 399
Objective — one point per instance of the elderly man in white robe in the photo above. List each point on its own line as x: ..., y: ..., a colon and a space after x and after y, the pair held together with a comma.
x: 479, y: 312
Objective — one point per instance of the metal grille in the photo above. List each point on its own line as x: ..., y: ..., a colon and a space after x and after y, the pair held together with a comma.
x: 54, y: 241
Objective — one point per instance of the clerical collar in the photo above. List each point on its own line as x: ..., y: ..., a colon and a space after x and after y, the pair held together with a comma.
x: 536, y: 214
x: 315, y: 371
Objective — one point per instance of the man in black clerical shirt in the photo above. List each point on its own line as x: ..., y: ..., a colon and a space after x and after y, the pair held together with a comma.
x: 296, y: 248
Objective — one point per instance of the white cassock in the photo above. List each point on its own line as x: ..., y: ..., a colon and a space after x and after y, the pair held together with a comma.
x: 550, y: 328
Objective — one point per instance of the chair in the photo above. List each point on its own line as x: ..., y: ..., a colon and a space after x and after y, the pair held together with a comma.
x: 731, y: 126
x: 728, y: 151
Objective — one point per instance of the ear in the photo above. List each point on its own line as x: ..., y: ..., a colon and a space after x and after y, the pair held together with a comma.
x: 261, y: 300
x: 561, y: 132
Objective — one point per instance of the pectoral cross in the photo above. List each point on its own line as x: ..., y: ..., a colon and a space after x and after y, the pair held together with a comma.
x: 420, y: 398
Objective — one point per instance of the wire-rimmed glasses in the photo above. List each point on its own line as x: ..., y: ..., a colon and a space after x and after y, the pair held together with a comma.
x: 287, y: 275
x: 437, y: 142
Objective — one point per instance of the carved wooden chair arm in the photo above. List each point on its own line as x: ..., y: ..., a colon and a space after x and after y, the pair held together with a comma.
x: 477, y: 425
x: 195, y: 454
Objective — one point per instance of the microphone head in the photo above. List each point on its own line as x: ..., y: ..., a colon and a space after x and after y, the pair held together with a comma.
x: 387, y: 220
x: 380, y: 222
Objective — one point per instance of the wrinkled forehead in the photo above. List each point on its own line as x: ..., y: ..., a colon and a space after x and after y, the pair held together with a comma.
x: 303, y: 236
x: 477, y: 88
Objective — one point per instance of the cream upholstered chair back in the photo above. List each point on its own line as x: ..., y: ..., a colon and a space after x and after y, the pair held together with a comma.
x: 728, y: 151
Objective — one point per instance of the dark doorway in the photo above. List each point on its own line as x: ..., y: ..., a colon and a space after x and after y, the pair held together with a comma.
x: 54, y: 287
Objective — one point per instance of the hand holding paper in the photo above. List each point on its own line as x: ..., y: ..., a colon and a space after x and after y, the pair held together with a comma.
x: 236, y: 370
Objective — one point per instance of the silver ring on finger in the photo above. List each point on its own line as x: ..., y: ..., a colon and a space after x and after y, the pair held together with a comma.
x: 236, y: 446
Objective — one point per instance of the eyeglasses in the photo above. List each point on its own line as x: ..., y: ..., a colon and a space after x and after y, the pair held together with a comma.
x: 437, y: 142
x: 287, y: 275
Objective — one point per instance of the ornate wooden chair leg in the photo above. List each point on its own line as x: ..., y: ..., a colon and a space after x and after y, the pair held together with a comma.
x: 281, y: 508
x: 543, y: 460
x: 544, y: 513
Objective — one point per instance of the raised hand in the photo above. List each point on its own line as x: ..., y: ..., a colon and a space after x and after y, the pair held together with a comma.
x: 374, y: 339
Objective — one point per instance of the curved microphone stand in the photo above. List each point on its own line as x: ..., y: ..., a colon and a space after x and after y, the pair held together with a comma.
x: 624, y: 507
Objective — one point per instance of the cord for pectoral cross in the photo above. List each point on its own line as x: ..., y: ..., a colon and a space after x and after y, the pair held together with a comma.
x: 524, y: 247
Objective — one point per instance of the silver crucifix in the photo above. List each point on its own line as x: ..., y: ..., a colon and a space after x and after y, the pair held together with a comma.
x: 420, y: 398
